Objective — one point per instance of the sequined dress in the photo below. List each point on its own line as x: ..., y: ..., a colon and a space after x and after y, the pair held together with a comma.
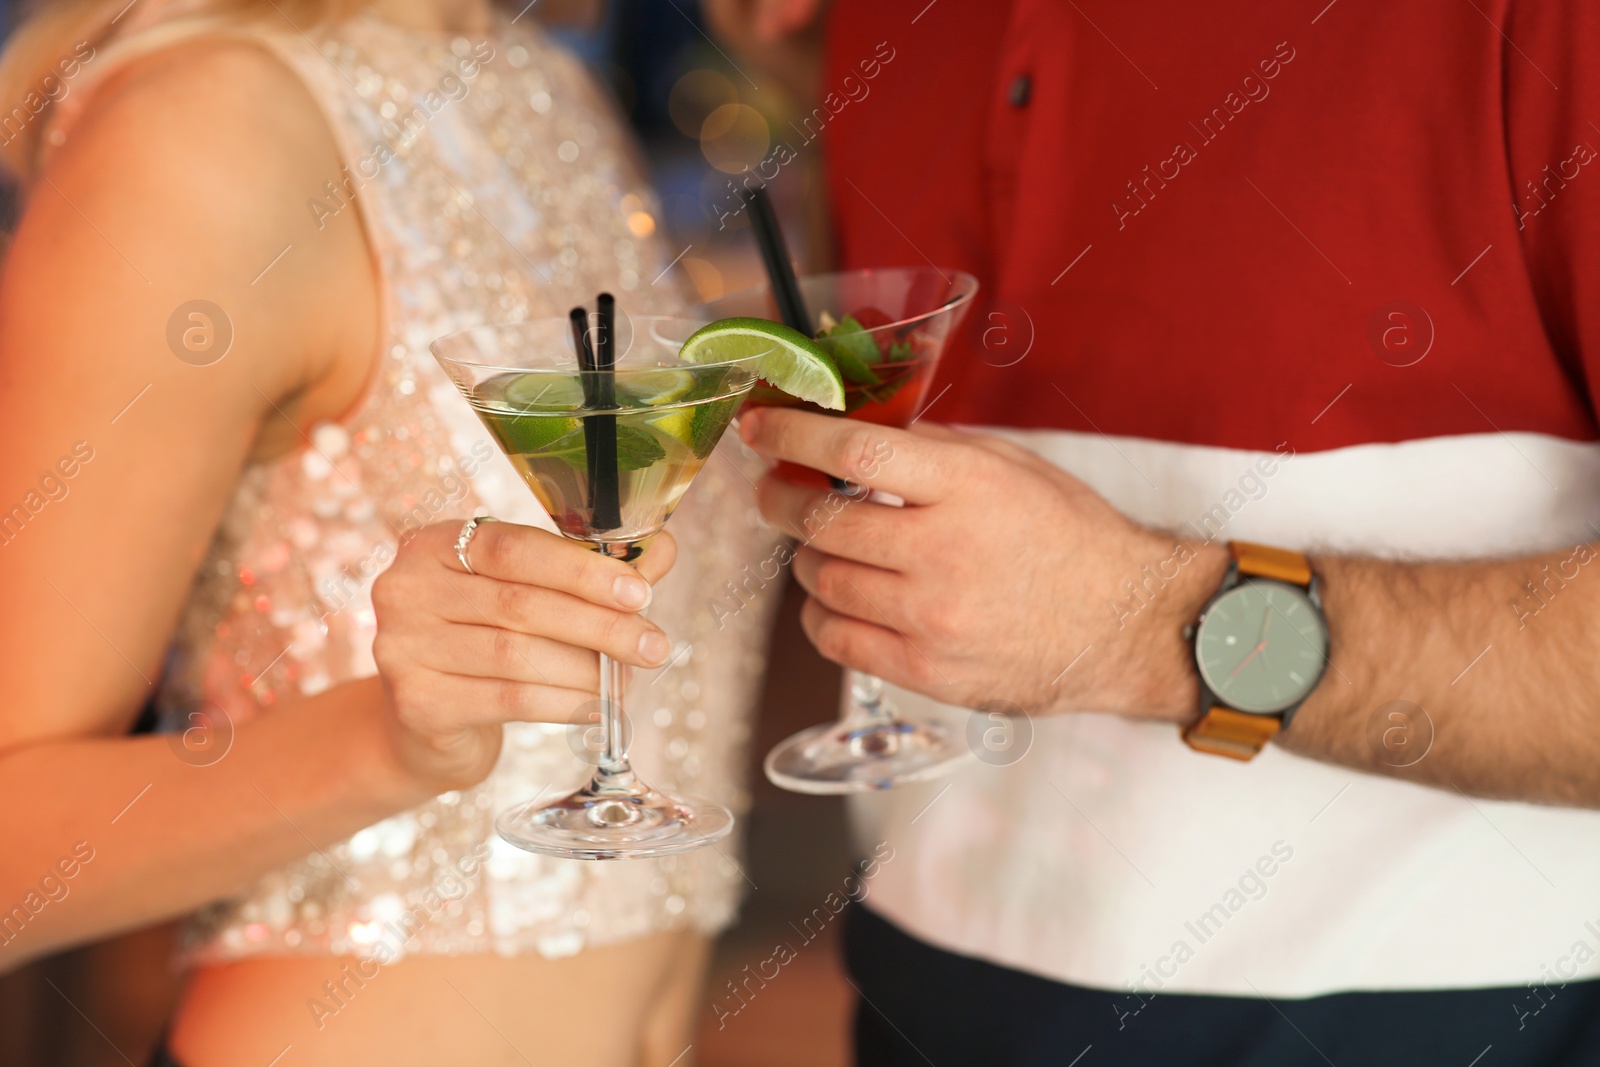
x: 496, y: 185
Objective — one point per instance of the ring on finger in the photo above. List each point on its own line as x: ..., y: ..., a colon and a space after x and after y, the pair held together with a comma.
x: 464, y: 539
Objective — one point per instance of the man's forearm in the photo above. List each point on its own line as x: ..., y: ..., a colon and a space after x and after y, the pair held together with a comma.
x: 1461, y: 675
x: 1478, y: 676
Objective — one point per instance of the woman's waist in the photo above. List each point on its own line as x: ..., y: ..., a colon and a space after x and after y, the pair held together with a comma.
x: 420, y: 1009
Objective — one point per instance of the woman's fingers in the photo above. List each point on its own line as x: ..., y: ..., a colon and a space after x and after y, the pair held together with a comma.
x: 512, y: 637
x: 531, y: 556
x: 535, y: 611
x: 491, y: 652
x: 660, y: 553
x: 446, y: 704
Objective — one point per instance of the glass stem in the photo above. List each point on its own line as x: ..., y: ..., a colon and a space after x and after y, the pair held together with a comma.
x: 867, y: 692
x: 614, y: 768
x: 866, y: 689
x: 613, y: 750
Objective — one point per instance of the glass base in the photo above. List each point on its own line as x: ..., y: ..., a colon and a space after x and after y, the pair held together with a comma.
x: 861, y: 754
x: 615, y: 817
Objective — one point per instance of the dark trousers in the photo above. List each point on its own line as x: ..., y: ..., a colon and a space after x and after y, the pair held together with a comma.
x: 919, y: 1005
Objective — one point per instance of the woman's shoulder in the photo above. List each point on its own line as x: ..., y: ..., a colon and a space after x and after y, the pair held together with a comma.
x: 180, y: 105
x: 195, y: 162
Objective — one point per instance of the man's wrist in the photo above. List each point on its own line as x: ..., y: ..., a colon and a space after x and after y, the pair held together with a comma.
x: 1167, y: 685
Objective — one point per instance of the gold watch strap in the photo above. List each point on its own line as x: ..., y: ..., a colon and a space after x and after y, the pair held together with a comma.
x: 1222, y: 731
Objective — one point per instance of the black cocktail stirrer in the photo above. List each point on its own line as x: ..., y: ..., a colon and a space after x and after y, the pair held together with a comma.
x: 608, y: 509
x: 775, y: 256
x: 785, y: 286
x: 599, y: 431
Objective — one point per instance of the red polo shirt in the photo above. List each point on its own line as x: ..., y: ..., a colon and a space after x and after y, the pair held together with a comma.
x: 1320, y: 224
x: 1238, y: 224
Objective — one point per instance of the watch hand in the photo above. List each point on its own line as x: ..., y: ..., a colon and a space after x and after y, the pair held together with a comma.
x: 1261, y: 643
x: 1261, y: 640
x: 1254, y: 652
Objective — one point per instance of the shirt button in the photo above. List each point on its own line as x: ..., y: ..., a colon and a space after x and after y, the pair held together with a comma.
x: 1021, y: 89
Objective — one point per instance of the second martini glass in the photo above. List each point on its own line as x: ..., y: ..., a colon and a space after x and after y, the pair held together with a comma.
x: 609, y: 452
x: 887, y: 329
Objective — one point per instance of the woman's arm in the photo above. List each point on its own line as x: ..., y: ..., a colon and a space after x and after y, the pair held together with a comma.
x: 184, y: 181
x: 167, y: 836
x: 189, y: 180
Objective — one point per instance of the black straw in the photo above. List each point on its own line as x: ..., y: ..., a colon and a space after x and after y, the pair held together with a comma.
x: 599, y: 431
x: 785, y: 286
x: 775, y: 255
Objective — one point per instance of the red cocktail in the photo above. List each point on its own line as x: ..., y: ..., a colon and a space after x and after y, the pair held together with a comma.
x: 886, y: 328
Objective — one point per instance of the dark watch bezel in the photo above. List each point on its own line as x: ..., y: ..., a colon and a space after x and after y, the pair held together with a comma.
x: 1234, y: 580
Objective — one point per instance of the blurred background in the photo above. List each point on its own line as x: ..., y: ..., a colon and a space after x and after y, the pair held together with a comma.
x: 704, y: 119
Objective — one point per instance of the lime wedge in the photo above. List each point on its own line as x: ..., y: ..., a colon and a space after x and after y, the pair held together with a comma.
x: 789, y: 360
x: 656, y: 386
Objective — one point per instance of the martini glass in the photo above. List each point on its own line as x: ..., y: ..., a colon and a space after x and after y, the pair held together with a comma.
x: 906, y: 317
x: 651, y: 422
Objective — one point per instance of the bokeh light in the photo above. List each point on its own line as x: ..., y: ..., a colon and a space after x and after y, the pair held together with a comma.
x: 735, y: 137
x: 697, y: 94
x: 706, y: 277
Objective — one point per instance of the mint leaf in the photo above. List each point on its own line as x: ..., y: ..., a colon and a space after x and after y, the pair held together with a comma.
x: 857, y: 399
x: 885, y: 392
x: 850, y: 331
x: 636, y: 449
x: 854, y: 350
x: 708, y: 421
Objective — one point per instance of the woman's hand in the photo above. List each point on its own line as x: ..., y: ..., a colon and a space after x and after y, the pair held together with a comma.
x: 461, y: 654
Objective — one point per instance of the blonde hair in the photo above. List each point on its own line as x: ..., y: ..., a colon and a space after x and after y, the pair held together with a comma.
x: 61, y: 36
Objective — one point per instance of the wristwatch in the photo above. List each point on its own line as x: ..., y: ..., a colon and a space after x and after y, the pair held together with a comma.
x: 1261, y: 646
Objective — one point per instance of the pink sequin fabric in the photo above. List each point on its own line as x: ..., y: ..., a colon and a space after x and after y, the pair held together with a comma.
x: 496, y: 185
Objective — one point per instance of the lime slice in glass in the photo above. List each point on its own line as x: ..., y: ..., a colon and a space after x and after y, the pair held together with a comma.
x: 788, y: 359
x: 657, y: 386
x: 523, y: 434
x: 676, y: 423
x: 544, y: 392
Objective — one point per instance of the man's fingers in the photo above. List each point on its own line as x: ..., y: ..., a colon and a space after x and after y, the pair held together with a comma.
x: 1015, y: 454
x: 916, y: 469
x: 856, y: 529
x: 529, y: 555
x: 848, y: 588
x: 1006, y: 450
x: 863, y: 646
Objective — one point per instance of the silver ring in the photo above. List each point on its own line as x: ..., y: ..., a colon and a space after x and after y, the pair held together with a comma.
x: 464, y: 539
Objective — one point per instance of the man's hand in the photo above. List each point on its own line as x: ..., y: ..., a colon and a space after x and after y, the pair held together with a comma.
x: 1002, y: 570
x: 1000, y: 573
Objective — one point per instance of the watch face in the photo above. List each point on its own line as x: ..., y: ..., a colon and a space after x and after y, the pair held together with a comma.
x: 1261, y: 646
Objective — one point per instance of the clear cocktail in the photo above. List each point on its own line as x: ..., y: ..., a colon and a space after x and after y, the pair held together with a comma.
x: 668, y: 420
x: 609, y: 453
x: 608, y: 424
